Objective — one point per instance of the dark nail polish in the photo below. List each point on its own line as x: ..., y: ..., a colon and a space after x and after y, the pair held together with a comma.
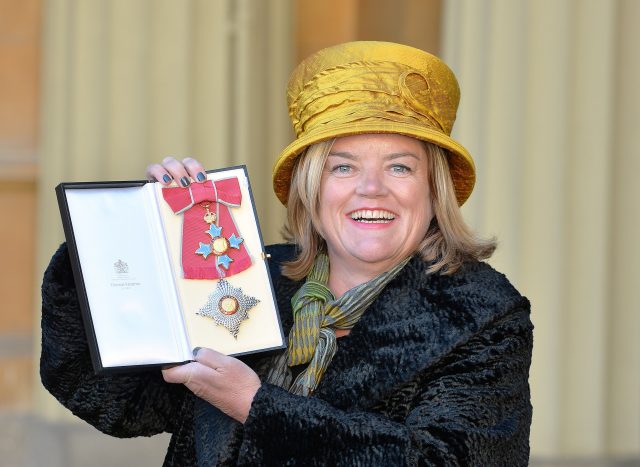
x: 184, y: 181
x: 201, y: 177
x: 195, y: 351
x: 166, y: 178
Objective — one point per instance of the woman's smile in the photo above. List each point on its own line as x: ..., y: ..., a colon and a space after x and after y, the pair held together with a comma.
x: 368, y: 216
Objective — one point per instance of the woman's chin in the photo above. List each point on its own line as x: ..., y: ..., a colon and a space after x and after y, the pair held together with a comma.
x: 376, y: 255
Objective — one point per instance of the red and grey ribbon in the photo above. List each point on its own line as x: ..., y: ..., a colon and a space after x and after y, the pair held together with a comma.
x: 209, y: 250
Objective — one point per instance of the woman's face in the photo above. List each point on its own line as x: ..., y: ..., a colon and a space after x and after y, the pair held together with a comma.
x: 375, y: 202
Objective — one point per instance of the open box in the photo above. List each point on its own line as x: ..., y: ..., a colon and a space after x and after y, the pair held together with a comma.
x: 131, y: 245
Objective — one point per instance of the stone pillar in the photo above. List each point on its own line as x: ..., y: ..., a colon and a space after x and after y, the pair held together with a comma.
x: 547, y: 110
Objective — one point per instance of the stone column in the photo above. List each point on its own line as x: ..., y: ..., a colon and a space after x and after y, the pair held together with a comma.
x: 547, y: 110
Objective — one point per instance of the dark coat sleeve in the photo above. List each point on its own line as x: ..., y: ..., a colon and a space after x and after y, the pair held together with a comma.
x: 470, y: 408
x: 120, y: 405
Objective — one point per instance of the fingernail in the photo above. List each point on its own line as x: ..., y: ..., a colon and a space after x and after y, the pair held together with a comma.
x: 166, y: 178
x: 201, y: 177
x: 184, y: 181
x: 195, y: 351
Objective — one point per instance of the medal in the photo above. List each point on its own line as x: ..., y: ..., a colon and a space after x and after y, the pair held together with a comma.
x: 228, y: 306
x: 219, y: 244
x: 219, y: 251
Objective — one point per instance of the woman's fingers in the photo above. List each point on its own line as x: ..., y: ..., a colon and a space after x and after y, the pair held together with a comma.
x: 223, y: 381
x: 181, y: 374
x: 177, y: 171
x: 183, y: 172
x: 212, y: 359
x: 157, y: 173
x: 195, y: 169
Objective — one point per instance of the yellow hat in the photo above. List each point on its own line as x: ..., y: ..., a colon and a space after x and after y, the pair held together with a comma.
x: 374, y: 87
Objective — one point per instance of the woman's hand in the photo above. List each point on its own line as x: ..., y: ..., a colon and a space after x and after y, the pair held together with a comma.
x: 182, y: 172
x: 224, y: 382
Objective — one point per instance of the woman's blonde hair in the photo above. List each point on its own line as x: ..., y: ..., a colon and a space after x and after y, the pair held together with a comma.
x: 448, y: 243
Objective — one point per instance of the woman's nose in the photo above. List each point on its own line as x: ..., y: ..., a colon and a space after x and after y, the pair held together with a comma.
x: 371, y: 183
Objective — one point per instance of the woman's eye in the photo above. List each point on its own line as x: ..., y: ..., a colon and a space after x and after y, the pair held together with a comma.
x: 400, y: 169
x: 341, y: 169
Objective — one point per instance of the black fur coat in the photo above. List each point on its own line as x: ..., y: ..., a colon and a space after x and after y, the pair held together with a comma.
x: 434, y: 373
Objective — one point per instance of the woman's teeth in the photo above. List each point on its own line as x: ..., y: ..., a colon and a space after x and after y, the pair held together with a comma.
x: 372, y: 216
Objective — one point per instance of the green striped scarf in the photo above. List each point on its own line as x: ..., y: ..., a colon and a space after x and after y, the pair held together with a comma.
x: 316, y: 315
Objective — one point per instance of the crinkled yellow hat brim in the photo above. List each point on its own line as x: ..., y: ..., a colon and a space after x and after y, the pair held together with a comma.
x: 374, y: 87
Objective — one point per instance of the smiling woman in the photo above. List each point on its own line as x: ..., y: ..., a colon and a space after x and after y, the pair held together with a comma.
x: 435, y: 365
x: 446, y: 241
x: 375, y: 205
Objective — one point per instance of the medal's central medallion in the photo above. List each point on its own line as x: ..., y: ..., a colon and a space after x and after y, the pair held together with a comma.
x: 228, y: 306
x: 219, y: 246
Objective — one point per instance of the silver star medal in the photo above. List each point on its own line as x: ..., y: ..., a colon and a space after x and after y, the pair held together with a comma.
x: 228, y: 305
